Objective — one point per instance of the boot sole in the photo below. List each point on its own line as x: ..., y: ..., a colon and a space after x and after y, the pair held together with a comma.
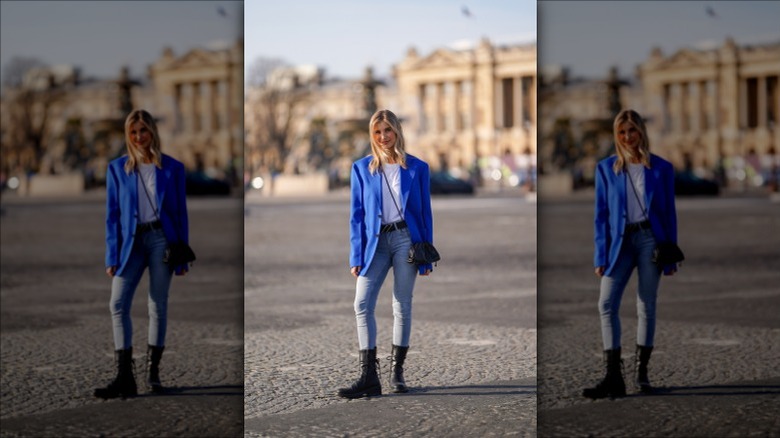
x: 371, y: 392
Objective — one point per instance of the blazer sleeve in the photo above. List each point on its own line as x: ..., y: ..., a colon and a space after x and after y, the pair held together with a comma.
x: 356, y: 219
x: 601, y: 221
x: 671, y: 219
x: 427, y: 213
x: 181, y: 195
x: 113, y: 212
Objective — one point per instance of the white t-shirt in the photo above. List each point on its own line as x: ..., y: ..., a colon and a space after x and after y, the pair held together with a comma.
x: 389, y: 210
x: 635, y: 206
x: 147, y: 205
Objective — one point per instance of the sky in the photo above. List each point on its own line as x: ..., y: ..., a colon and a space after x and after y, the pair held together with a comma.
x: 101, y: 37
x: 589, y: 37
x: 346, y: 36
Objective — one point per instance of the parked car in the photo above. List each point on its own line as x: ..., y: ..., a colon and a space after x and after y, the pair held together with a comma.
x: 442, y: 183
x: 199, y: 183
x: 687, y: 183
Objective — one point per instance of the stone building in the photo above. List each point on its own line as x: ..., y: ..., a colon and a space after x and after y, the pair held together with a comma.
x: 714, y: 108
x: 462, y: 105
x: 199, y: 100
x: 456, y: 106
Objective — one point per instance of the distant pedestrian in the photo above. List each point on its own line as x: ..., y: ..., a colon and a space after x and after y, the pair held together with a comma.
x: 390, y: 209
x: 145, y: 210
x: 635, y: 209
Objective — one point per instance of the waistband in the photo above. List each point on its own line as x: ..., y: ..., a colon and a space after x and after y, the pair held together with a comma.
x: 149, y: 226
x: 636, y: 226
x: 386, y: 228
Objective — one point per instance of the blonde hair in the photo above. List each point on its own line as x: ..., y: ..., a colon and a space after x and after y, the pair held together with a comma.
x: 380, y: 154
x: 136, y: 155
x: 625, y: 154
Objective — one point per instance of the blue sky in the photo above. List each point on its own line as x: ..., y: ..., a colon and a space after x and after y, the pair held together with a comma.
x: 590, y: 36
x: 345, y: 36
x: 100, y: 37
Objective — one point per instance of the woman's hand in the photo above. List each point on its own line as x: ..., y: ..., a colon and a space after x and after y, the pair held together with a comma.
x: 600, y: 271
x: 110, y: 271
x: 671, y: 270
x: 426, y: 273
x: 182, y: 271
x: 355, y: 271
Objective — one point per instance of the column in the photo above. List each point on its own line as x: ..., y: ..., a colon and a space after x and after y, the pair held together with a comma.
x: 518, y: 101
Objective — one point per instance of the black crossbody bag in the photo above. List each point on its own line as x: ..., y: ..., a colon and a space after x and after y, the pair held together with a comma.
x: 665, y: 253
x: 420, y: 253
x: 177, y: 253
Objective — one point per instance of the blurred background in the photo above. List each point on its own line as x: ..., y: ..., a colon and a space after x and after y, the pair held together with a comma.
x: 703, y: 74
x: 462, y: 78
x: 72, y: 71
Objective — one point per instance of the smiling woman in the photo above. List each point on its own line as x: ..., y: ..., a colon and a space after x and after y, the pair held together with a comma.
x: 390, y: 211
x: 146, y: 213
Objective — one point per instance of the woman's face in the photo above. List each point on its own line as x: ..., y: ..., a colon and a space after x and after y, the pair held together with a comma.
x: 629, y: 136
x: 140, y: 136
x: 384, y: 135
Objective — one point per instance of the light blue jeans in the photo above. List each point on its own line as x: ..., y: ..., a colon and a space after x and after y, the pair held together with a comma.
x: 392, y: 251
x: 148, y: 251
x: 636, y: 252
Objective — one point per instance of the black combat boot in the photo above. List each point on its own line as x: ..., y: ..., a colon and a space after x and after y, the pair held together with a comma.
x: 398, y: 357
x: 612, y: 385
x: 368, y: 383
x: 153, y: 356
x: 642, y: 358
x: 124, y: 383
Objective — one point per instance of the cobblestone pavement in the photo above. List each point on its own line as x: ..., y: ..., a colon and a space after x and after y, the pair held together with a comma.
x: 717, y: 342
x: 56, y: 331
x: 472, y: 361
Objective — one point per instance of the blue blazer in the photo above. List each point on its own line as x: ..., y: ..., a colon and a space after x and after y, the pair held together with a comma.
x: 611, y: 209
x: 366, y: 212
x: 122, y: 208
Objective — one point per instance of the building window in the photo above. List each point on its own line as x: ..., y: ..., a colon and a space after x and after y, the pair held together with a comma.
x: 508, y: 100
x: 752, y: 102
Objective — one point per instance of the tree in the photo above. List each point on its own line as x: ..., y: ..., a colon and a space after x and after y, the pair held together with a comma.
x: 29, y: 109
x: 272, y: 113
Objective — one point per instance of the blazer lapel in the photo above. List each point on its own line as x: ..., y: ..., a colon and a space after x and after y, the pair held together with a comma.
x: 162, y: 176
x: 132, y: 187
x: 621, y: 187
x: 407, y: 176
x: 375, y: 183
x: 650, y: 183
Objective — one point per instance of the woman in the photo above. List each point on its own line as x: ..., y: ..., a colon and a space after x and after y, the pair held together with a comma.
x: 145, y: 210
x: 634, y: 210
x: 391, y: 209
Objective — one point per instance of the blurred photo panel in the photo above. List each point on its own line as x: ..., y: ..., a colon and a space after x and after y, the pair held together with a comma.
x: 122, y: 140
x: 370, y: 128
x: 658, y: 126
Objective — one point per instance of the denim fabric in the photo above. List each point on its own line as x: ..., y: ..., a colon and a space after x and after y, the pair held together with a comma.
x: 636, y: 252
x: 392, y: 251
x: 148, y: 250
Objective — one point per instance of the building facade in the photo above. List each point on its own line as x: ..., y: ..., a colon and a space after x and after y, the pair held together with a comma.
x: 460, y: 106
x: 199, y: 100
x: 715, y: 108
x: 57, y: 122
